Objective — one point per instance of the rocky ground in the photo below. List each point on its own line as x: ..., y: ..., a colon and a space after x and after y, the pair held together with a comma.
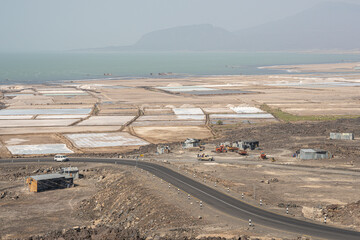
x: 293, y: 136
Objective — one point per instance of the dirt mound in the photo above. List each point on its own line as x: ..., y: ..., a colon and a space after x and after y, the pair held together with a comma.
x: 124, y: 201
x: 348, y: 215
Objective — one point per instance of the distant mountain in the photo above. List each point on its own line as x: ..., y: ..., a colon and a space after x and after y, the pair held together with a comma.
x: 203, y: 37
x: 196, y: 37
x: 326, y: 26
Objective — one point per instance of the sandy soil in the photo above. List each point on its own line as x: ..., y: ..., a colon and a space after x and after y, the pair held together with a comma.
x: 172, y: 134
x: 334, y: 67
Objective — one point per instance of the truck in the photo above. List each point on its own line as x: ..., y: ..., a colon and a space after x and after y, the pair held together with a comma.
x: 203, y: 157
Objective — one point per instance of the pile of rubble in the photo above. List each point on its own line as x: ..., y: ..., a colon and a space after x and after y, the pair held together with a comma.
x: 348, y: 215
x: 9, y: 195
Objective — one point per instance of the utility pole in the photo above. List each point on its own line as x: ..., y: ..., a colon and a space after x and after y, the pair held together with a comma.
x: 254, y: 192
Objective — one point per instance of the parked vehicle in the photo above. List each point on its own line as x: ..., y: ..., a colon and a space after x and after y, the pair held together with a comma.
x: 60, y: 158
x: 203, y: 157
x: 221, y: 149
x: 243, y: 152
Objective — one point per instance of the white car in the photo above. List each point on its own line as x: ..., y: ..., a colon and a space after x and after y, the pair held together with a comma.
x: 61, y: 158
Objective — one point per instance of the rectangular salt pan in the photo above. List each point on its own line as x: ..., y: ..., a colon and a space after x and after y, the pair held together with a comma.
x: 227, y: 116
x: 188, y: 111
x: 170, y: 117
x: 93, y: 140
x: 52, y: 111
x: 186, y: 88
x: 60, y: 116
x: 39, y: 149
x: 16, y: 117
x: 246, y: 109
x: 106, y: 121
x: 37, y: 123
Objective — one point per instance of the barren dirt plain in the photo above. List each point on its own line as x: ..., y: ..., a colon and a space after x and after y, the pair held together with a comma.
x: 130, y: 117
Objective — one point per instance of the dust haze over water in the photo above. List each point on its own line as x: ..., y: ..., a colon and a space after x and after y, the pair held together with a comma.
x: 41, y: 25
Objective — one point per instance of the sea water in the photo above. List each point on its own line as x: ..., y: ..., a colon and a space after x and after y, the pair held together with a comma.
x: 52, y: 67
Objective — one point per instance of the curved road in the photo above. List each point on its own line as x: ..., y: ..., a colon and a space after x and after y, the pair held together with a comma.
x: 224, y: 202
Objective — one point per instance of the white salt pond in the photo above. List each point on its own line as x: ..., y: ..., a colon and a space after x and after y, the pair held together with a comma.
x: 106, y: 121
x: 17, y: 94
x: 246, y: 116
x: 218, y: 110
x: 62, y: 92
x: 190, y: 117
x: 93, y: 140
x: 186, y: 88
x: 9, y: 117
x: 36, y: 123
x: 188, y: 111
x: 52, y: 111
x: 38, y: 149
x: 167, y: 123
x: 170, y: 117
x: 246, y: 109
x: 60, y: 116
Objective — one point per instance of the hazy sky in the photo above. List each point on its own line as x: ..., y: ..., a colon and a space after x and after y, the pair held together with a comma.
x: 33, y: 25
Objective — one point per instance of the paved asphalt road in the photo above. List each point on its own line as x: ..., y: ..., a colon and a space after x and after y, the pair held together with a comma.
x: 224, y: 202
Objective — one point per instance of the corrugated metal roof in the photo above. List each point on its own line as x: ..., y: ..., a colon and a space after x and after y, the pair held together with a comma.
x: 308, y: 150
x: 47, y: 176
x: 71, y: 169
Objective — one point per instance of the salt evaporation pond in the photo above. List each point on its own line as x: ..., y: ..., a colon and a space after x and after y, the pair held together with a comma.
x: 45, y: 111
x: 93, y: 140
x: 106, y: 121
x: 227, y: 116
x: 186, y: 88
x: 246, y: 109
x: 188, y: 111
x: 39, y: 149
x: 7, y: 117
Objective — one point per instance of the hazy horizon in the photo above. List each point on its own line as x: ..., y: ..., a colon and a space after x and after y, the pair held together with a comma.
x: 42, y: 25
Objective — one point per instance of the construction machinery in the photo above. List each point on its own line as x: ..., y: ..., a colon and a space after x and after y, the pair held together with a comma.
x: 221, y: 149
x: 262, y: 155
x: 232, y: 149
x: 243, y: 153
x: 203, y: 157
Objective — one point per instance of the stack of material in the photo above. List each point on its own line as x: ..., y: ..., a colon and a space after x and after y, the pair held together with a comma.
x: 342, y: 136
x: 70, y: 172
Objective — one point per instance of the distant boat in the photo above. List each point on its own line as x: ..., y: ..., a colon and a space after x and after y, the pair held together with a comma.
x: 107, y: 74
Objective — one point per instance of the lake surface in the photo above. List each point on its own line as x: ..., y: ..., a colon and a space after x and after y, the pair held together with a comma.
x: 54, y: 67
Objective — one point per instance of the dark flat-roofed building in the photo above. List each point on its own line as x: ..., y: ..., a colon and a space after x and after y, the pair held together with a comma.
x: 39, y: 183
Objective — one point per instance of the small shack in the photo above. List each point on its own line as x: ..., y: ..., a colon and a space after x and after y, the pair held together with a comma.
x: 191, y: 143
x: 342, y: 136
x: 161, y: 149
x: 39, y: 183
x: 245, y: 144
x: 70, y: 172
x: 309, y: 154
